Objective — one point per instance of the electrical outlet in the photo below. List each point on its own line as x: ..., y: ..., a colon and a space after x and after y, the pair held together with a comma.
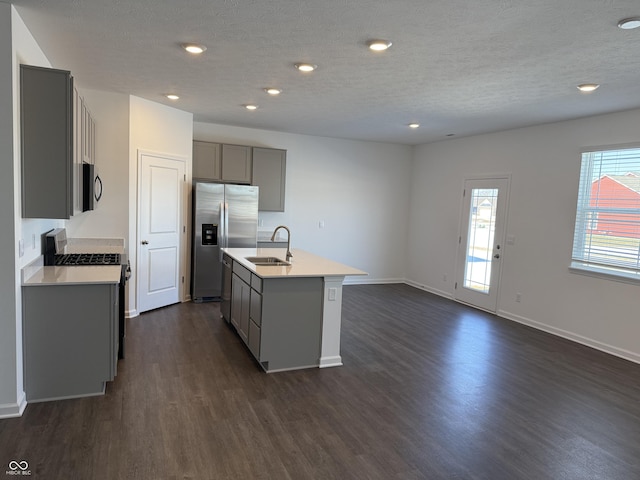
x: 20, y: 247
x: 444, y: 277
x: 321, y: 224
x: 518, y: 297
x: 332, y: 294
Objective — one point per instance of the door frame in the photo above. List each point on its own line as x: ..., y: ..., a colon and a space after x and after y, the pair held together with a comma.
x: 184, y: 215
x: 462, y: 228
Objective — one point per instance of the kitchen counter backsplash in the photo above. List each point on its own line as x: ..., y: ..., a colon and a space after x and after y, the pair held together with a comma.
x: 95, y: 245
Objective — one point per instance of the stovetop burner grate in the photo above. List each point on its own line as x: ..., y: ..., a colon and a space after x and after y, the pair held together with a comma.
x: 79, y: 259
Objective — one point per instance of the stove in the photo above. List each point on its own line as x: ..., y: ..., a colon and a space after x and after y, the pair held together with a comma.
x: 56, y: 240
x: 79, y: 259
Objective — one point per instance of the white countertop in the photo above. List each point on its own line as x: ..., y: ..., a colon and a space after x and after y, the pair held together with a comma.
x: 303, y: 264
x: 36, y: 274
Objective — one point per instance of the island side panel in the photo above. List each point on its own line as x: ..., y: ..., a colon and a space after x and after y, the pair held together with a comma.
x: 291, y: 323
x: 331, y: 322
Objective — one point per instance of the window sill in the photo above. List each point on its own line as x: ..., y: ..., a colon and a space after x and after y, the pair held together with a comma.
x: 605, y: 273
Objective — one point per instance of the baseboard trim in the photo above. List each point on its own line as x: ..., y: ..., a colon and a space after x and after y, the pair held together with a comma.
x: 131, y: 313
x: 12, y: 410
x: 574, y: 337
x: 335, y: 361
x: 435, y: 291
x: 358, y: 280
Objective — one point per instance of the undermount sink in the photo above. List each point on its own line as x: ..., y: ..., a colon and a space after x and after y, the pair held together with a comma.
x: 267, y: 261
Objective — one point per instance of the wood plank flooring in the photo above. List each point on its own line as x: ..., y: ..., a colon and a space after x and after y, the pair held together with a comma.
x: 430, y: 389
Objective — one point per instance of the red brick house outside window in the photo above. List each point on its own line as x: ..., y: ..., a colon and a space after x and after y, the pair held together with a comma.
x: 610, y: 196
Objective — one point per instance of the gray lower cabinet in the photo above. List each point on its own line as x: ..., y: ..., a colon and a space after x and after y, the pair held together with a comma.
x: 283, y: 319
x: 240, y: 300
x: 46, y: 126
x: 255, y: 316
x: 70, y: 340
x: 269, y: 173
x: 270, y: 244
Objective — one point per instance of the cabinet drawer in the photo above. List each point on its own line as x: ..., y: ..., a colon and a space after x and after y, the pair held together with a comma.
x: 255, y: 308
x: 242, y: 272
x: 254, y: 339
x: 256, y: 283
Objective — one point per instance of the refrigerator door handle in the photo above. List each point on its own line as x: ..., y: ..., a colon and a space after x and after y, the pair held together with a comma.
x: 221, y: 230
x: 226, y: 225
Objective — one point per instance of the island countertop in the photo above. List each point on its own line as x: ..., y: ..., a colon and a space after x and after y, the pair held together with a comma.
x: 303, y: 264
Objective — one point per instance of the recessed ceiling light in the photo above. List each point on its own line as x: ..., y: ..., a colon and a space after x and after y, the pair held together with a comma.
x: 194, y: 48
x: 172, y: 96
x: 251, y: 106
x: 629, y: 23
x: 273, y: 91
x: 305, y: 67
x: 588, y: 87
x: 379, y: 45
x: 414, y: 125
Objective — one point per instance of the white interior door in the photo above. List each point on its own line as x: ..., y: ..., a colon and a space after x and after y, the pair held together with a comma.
x: 481, y: 242
x: 159, y: 231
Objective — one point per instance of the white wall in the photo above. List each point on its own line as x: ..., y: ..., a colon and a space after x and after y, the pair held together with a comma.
x: 359, y: 189
x: 110, y: 217
x: 9, y: 400
x: 159, y: 129
x: 17, y: 46
x: 544, y: 162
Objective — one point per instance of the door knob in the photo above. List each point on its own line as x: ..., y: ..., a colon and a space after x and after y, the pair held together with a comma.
x: 497, y: 255
x: 144, y: 242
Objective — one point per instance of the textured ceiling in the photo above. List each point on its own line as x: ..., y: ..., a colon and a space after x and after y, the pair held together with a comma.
x: 456, y: 66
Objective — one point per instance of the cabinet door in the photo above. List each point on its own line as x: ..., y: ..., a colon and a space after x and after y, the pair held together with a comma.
x: 70, y: 339
x: 236, y: 163
x: 255, y: 309
x: 77, y: 152
x: 254, y: 339
x: 46, y: 105
x: 244, y: 314
x: 236, y: 300
x: 206, y: 160
x: 269, y: 173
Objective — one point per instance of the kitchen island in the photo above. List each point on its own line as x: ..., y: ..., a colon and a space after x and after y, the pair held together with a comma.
x: 288, y: 314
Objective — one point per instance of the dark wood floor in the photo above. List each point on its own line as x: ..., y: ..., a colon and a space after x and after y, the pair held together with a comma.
x: 430, y: 389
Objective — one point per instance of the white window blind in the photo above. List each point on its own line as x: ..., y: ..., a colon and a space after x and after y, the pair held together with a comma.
x: 607, y: 230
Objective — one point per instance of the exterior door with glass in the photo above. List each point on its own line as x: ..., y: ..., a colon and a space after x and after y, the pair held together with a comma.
x: 481, y: 241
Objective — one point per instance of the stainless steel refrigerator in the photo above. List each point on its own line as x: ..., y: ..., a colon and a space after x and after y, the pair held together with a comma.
x: 224, y: 215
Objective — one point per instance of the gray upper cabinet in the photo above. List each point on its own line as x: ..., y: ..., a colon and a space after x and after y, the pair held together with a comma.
x: 221, y: 162
x: 269, y: 173
x: 264, y: 167
x: 206, y: 160
x: 46, y: 106
x: 236, y: 163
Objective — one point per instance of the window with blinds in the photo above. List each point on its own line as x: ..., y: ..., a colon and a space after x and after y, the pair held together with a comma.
x: 607, y: 230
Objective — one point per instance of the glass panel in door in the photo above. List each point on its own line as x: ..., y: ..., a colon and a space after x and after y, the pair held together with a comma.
x: 482, y: 230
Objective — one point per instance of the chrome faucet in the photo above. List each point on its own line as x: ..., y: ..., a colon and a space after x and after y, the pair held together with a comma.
x: 273, y: 239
